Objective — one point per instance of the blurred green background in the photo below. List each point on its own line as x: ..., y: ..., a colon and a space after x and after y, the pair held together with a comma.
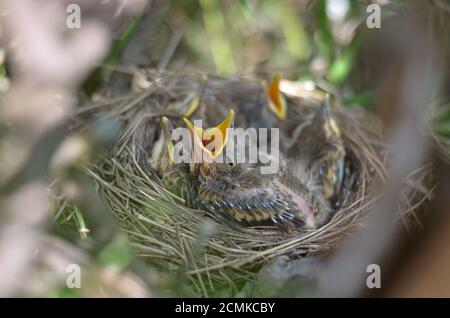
x: 305, y: 40
x: 311, y: 41
x: 319, y: 42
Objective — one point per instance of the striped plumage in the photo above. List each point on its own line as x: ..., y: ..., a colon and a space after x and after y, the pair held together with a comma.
x: 243, y: 194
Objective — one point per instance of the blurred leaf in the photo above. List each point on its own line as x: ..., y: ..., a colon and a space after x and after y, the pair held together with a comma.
x: 118, y: 254
x: 2, y: 70
x: 294, y: 31
x: 442, y: 128
x: 341, y: 67
x: 219, y: 43
x: 305, y: 76
x: 246, y: 9
x: 101, y: 75
x: 365, y: 99
x: 119, y: 46
x: 82, y: 229
x: 323, y: 38
x: 65, y: 293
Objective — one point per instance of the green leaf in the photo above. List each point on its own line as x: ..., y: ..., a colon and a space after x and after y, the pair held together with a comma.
x: 65, y: 293
x: 323, y: 36
x: 294, y: 32
x: 220, y: 44
x: 245, y: 9
x: 364, y: 99
x: 82, y: 229
x: 119, y: 46
x: 117, y: 254
x: 442, y: 128
x: 342, y: 66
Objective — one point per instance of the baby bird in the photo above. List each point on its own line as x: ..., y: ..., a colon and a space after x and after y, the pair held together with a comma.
x: 303, y: 192
x: 258, y: 105
x: 318, y: 149
x: 237, y: 191
x: 312, y: 140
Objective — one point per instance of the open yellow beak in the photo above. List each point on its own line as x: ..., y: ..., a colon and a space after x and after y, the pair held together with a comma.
x: 211, y: 141
x: 277, y: 102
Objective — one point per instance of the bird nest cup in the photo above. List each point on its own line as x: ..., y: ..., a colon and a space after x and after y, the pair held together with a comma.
x: 217, y: 227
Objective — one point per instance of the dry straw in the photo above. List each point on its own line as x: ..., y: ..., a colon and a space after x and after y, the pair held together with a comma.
x: 210, y: 254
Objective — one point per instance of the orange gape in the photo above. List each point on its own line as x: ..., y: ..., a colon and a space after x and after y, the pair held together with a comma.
x: 277, y: 102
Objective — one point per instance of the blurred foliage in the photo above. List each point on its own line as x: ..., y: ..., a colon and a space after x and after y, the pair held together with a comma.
x: 442, y: 124
x: 305, y: 40
x: 117, y: 254
x: 317, y: 41
x: 119, y: 46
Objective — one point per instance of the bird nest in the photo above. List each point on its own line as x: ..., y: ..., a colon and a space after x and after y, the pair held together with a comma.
x: 213, y: 256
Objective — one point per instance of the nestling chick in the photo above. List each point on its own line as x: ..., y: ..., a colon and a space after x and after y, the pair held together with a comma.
x: 236, y: 190
x: 317, y: 147
x: 258, y: 105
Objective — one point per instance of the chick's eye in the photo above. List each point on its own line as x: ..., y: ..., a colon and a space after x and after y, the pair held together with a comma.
x: 323, y: 169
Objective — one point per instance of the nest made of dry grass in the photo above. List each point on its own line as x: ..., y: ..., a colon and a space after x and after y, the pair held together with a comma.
x: 210, y: 254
